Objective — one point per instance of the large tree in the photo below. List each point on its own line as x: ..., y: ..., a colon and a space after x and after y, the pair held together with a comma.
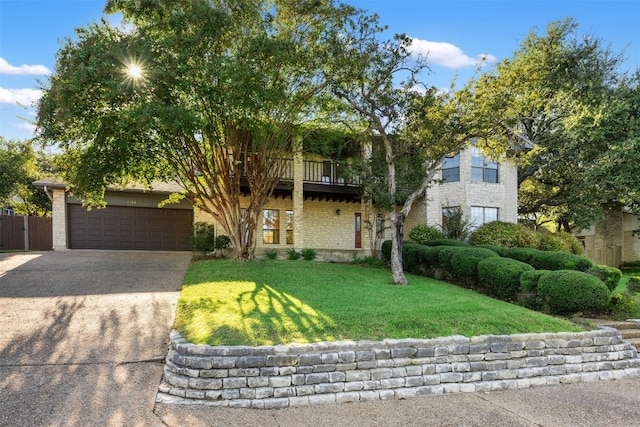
x: 209, y: 93
x: 554, y: 102
x: 410, y: 127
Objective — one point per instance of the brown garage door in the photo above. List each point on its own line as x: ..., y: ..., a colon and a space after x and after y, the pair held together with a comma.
x: 122, y: 227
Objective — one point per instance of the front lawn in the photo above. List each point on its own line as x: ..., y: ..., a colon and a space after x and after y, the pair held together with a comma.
x: 280, y: 302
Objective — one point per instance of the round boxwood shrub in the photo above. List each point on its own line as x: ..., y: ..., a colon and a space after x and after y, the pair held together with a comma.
x: 633, y: 285
x: 558, y: 260
x: 609, y: 275
x: 568, y: 292
x: 424, y: 233
x: 502, y: 276
x: 505, y: 234
x: 465, y: 263
x: 575, y: 247
x: 411, y: 258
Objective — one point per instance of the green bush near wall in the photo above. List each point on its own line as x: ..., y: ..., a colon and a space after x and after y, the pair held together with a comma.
x: 505, y: 234
x: 464, y: 264
x: 501, y: 276
x: 567, y: 292
x: 558, y: 260
x: 609, y: 275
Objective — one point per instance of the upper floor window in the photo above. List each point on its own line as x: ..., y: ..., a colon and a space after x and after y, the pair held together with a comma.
x: 451, y: 168
x: 482, y: 169
x: 271, y: 226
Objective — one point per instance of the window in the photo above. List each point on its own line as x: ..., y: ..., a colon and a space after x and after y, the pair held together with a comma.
x: 481, y: 215
x: 482, y: 170
x: 271, y: 226
x: 451, y: 168
x: 448, y: 213
x: 289, y: 236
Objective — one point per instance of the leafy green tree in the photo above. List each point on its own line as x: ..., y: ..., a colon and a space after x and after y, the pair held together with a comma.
x: 207, y: 93
x: 20, y: 165
x: 411, y: 131
x: 557, y: 104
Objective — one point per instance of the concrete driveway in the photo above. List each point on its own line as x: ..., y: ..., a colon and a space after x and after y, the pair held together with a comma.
x: 83, y: 335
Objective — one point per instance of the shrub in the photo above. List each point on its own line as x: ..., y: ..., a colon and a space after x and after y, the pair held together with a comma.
x: 609, y: 275
x: 370, y: 261
x: 271, y: 254
x: 575, y: 247
x: 446, y: 242
x: 557, y: 260
x: 385, y: 249
x: 630, y: 264
x: 495, y: 248
x: 633, y: 285
x: 293, y: 255
x: 529, y: 285
x: 529, y: 280
x: 623, y: 306
x: 308, y: 254
x: 505, y: 234
x: 465, y: 263
x: 553, y: 242
x: 431, y: 256
x: 456, y: 227
x: 446, y: 254
x: 568, y: 292
x: 502, y: 276
x: 522, y: 254
x: 222, y: 241
x: 424, y: 233
x: 203, y: 238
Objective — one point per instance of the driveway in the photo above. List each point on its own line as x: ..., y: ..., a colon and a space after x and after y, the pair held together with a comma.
x: 83, y: 335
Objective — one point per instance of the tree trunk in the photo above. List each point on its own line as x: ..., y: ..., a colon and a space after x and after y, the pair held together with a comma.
x: 397, y: 269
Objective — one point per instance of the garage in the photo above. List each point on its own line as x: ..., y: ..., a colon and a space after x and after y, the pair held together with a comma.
x: 125, y: 227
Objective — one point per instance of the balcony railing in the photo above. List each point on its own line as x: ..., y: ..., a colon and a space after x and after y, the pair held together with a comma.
x: 327, y: 172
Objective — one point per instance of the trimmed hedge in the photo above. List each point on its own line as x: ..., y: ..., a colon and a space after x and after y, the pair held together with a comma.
x: 464, y: 264
x: 558, y: 260
x: 385, y: 248
x: 495, y: 248
x: 529, y: 280
x: 522, y: 254
x: 502, y: 276
x: 568, y: 292
x: 445, y: 255
x: 609, y: 275
x: 505, y: 234
x: 424, y: 233
x: 447, y: 242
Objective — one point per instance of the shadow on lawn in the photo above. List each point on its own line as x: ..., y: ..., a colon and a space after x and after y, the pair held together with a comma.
x: 273, y: 316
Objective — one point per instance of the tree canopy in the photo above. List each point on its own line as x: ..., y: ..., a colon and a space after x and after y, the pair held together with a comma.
x: 219, y: 91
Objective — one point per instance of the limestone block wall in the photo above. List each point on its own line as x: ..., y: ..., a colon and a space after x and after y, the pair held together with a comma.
x: 336, y: 372
x: 59, y: 219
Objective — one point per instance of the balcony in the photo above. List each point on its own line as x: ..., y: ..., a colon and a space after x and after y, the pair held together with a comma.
x: 322, y: 180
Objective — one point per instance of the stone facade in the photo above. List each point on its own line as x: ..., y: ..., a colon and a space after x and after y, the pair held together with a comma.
x: 59, y: 219
x: 336, y: 372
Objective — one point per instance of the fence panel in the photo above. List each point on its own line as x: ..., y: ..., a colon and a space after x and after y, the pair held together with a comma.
x: 11, y: 232
x: 40, y: 234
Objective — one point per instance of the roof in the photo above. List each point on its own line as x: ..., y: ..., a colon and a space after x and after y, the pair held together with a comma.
x: 158, y: 187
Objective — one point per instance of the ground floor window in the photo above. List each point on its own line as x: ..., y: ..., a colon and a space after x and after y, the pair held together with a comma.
x: 449, y: 212
x: 271, y: 226
x: 289, y: 236
x: 482, y: 215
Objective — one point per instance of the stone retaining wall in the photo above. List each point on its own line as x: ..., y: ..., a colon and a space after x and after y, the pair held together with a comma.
x: 335, y: 372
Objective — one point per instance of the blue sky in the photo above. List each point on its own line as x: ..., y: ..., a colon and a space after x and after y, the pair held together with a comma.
x: 456, y: 33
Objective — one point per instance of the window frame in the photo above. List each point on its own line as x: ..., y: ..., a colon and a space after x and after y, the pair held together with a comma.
x: 454, y: 170
x: 485, y: 167
x: 483, y: 221
x: 271, y: 232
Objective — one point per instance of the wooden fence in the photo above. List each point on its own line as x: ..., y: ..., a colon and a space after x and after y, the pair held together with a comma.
x: 25, y: 233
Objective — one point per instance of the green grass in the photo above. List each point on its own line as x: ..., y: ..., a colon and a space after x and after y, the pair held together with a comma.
x: 280, y: 302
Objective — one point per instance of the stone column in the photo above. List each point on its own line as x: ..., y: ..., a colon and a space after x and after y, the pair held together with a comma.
x: 298, y: 199
x: 59, y: 220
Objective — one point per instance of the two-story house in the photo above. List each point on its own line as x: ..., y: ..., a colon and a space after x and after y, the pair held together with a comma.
x: 315, y: 206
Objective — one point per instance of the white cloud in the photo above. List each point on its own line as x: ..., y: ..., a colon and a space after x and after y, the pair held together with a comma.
x: 19, y: 96
x: 26, y: 126
x: 448, y: 55
x: 23, y: 70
